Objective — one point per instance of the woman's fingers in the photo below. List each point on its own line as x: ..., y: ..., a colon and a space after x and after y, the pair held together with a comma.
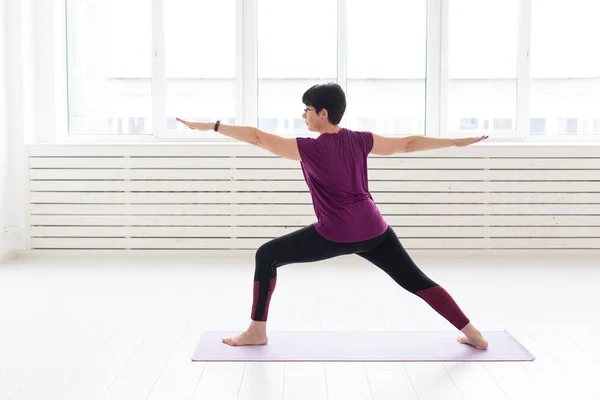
x: 468, y: 141
x: 188, y: 124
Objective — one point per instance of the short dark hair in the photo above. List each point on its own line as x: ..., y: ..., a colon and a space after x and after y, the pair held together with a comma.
x: 329, y: 96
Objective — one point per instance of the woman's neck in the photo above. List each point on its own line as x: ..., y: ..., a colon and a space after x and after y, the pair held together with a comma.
x: 330, y: 129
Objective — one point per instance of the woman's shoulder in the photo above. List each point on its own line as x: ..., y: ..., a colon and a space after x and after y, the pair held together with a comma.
x: 356, y: 132
x: 363, y: 139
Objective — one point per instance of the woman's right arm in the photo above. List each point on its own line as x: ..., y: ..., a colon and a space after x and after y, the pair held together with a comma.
x: 383, y: 145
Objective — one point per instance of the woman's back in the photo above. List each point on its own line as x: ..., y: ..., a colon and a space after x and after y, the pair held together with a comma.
x: 335, y: 170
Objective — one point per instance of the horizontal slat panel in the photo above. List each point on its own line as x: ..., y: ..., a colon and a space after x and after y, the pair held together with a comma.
x: 281, y: 163
x: 164, y: 174
x: 161, y: 232
x: 270, y: 232
x: 274, y: 174
x: 409, y: 243
x: 290, y: 220
x: 299, y: 186
x: 304, y: 198
x: 170, y: 198
x: 489, y: 149
x: 171, y: 220
x: 163, y: 163
x: 448, y: 198
x: 306, y: 209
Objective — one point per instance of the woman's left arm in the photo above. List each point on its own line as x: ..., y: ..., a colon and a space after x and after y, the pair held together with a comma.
x: 283, y: 147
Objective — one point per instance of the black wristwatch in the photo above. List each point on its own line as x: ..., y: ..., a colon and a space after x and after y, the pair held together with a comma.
x: 216, y: 128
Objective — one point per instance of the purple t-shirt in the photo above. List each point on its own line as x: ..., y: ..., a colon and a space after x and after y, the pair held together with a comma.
x: 335, y: 170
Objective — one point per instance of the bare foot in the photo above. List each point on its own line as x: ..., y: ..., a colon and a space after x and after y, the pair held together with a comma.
x: 248, y: 338
x: 478, y: 342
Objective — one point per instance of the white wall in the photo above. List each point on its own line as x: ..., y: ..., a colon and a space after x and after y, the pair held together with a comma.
x: 4, y: 140
x: 17, y: 101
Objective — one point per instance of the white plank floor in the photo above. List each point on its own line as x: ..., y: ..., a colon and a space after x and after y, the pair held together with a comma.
x: 125, y: 328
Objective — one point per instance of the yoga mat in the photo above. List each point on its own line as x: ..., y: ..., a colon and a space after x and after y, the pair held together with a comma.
x: 362, y: 346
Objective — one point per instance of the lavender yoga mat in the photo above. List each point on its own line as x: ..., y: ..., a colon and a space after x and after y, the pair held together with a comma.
x: 362, y: 346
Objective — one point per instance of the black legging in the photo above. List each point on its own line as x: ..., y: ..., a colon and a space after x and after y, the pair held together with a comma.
x: 385, y: 251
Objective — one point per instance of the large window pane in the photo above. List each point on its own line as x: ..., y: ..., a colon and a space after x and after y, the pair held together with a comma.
x: 386, y: 83
x: 482, y: 64
x: 200, y: 61
x: 109, y: 63
x: 565, y: 66
x: 297, y: 48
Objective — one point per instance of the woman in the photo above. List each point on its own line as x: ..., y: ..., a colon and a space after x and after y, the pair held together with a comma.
x: 348, y: 221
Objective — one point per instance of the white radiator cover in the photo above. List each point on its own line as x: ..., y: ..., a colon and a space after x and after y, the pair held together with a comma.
x: 203, y: 196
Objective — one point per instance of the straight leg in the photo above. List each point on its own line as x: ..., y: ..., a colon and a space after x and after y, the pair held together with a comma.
x: 392, y: 258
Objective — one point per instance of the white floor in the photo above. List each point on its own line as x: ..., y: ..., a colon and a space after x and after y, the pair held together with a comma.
x: 125, y: 328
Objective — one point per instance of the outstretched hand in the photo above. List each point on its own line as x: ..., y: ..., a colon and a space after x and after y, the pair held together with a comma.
x: 467, y: 141
x: 201, y: 126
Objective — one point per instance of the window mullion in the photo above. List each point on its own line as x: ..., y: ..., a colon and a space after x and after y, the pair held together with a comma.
x: 247, y: 90
x: 523, y: 68
x: 443, y: 73
x: 433, y: 76
x: 342, y: 47
x: 159, y: 92
x: 239, y: 62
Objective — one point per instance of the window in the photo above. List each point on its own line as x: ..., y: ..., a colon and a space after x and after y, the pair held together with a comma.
x: 503, y: 124
x: 512, y: 68
x: 109, y: 67
x: 568, y: 126
x: 469, y: 124
x: 297, y: 48
x: 565, y: 63
x: 537, y: 125
x: 299, y: 125
x: 368, y: 124
x: 406, y: 126
x: 269, y: 124
x: 482, y: 61
x: 200, y: 61
x: 387, y: 86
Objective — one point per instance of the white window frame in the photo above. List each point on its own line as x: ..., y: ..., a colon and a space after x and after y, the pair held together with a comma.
x: 521, y: 130
x: 342, y: 49
x: 246, y: 80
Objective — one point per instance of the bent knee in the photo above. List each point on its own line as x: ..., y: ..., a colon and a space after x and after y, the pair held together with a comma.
x: 265, y: 253
x: 265, y: 262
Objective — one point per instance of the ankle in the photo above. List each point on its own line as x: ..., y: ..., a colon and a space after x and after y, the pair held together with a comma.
x: 470, y: 331
x: 257, y: 326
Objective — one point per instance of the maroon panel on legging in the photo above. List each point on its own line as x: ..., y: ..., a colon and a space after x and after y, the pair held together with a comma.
x: 441, y: 301
x: 262, y: 292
